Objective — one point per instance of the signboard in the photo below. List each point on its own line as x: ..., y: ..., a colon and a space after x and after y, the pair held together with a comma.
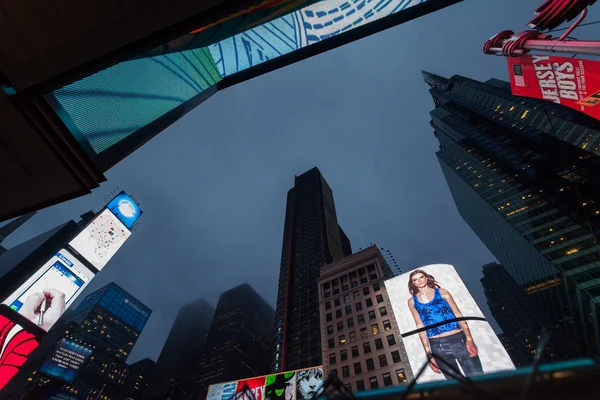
x: 572, y: 82
x: 44, y: 297
x: 101, y: 239
x: 18, y: 341
x: 293, y: 385
x: 125, y: 209
x: 436, y: 314
x: 66, y: 360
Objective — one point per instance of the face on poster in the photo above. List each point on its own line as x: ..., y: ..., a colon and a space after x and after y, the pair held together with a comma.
x: 309, y: 383
x: 101, y: 239
x: 426, y: 302
x: 281, y: 386
x: 255, y: 385
x: 44, y: 297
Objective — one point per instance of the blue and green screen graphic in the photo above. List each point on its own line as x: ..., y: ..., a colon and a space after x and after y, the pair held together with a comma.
x: 110, y: 105
x: 66, y: 360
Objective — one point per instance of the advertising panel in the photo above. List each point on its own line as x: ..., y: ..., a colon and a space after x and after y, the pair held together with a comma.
x: 572, y: 82
x: 101, y: 239
x: 292, y: 385
x: 437, y: 314
x: 44, y: 297
x: 18, y: 341
x: 125, y: 209
x: 66, y: 360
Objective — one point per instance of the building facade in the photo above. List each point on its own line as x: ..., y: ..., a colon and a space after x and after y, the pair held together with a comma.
x: 312, y: 238
x: 183, y: 349
x: 524, y: 175
x: 361, y: 342
x: 239, y: 341
x: 109, y: 321
x: 140, y: 374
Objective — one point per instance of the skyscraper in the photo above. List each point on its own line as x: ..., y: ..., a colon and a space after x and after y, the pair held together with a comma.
x: 140, y: 374
x: 239, y: 341
x: 141, y: 67
x: 524, y: 175
x: 312, y: 238
x: 183, y: 348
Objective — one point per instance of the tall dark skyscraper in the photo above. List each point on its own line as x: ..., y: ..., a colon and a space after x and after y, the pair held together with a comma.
x: 183, y: 348
x: 524, y: 175
x: 312, y: 238
x: 239, y: 340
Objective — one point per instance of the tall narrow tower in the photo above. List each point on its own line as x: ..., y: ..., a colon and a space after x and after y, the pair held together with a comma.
x: 311, y: 238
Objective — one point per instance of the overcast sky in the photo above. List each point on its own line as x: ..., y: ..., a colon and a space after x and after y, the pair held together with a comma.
x: 213, y: 186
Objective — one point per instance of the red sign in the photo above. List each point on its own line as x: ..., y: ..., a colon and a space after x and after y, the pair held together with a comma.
x: 572, y: 82
x: 16, y: 344
x: 255, y: 385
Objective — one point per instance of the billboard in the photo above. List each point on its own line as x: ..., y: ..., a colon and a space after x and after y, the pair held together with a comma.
x: 125, y: 209
x: 47, y: 293
x: 436, y: 314
x: 18, y: 341
x: 101, y: 239
x: 572, y: 82
x: 293, y: 385
x: 66, y: 360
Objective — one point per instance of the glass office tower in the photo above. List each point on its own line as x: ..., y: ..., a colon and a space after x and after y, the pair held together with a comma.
x: 524, y: 174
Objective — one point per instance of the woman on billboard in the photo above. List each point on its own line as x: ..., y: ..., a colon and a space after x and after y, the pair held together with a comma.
x: 429, y: 305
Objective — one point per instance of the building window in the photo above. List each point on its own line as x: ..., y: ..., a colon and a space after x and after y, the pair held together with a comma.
x: 373, y: 382
x: 338, y: 313
x: 366, y: 291
x: 370, y: 364
x: 332, y: 359
x: 364, y: 333
x: 350, y: 322
x: 357, y: 368
x: 348, y: 310
x: 361, y: 319
x: 358, y: 306
x: 347, y: 299
x: 401, y: 376
x: 337, y: 302
x: 328, y: 305
x: 345, y: 371
x: 369, y: 302
x: 364, y: 280
x: 355, y: 352
x: 366, y: 348
x: 360, y: 385
x: 343, y: 355
x: 376, y: 286
x: 329, y: 317
x: 333, y: 372
x: 378, y: 344
x: 375, y: 329
x: 352, y: 336
x: 330, y: 329
x: 383, y: 361
x: 348, y: 386
x: 387, y: 379
x: 340, y: 326
x: 372, y: 315
x: 391, y: 340
x: 396, y: 356
x: 331, y: 343
x: 382, y: 311
x: 354, y: 284
x: 342, y: 339
x: 356, y: 295
x: 379, y: 298
x: 336, y: 291
x: 387, y: 325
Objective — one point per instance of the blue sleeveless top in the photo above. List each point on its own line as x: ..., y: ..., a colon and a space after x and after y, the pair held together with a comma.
x: 437, y: 310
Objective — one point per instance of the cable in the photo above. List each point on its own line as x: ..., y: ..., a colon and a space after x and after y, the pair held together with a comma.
x: 564, y: 29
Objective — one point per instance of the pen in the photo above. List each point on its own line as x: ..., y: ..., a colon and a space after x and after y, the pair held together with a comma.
x: 43, y: 308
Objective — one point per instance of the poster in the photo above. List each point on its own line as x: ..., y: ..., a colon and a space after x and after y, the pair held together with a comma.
x: 256, y: 386
x: 222, y: 391
x: 572, y: 82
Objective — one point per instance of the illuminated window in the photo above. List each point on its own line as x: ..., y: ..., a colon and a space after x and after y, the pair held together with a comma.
x: 572, y: 251
x: 375, y: 329
x: 524, y: 114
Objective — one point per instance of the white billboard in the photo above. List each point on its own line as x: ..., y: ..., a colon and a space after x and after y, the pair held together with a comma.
x: 429, y: 303
x: 101, y: 239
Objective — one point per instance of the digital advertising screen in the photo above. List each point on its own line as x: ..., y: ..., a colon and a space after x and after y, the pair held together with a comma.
x: 101, y: 239
x: 18, y: 341
x: 292, y: 385
x: 44, y: 297
x: 125, y: 209
x: 436, y: 314
x: 66, y: 360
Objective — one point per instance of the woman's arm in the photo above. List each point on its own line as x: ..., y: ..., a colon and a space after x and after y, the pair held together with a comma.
x: 422, y: 335
x: 463, y: 324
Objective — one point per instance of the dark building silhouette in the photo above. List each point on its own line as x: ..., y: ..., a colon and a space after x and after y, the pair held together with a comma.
x: 182, y: 350
x: 312, y: 238
x: 524, y: 175
x: 109, y: 321
x: 239, y: 341
x: 140, y: 374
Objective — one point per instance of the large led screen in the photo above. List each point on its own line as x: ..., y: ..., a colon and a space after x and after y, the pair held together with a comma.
x: 429, y: 304
x: 66, y: 360
x: 44, y: 297
x: 17, y: 343
x: 293, y: 385
x: 101, y: 239
x: 125, y: 208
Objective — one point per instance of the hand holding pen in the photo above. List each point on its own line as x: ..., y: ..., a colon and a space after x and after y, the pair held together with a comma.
x: 44, y: 308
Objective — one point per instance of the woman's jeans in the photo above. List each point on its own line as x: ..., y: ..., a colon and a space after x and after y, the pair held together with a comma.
x: 453, y: 350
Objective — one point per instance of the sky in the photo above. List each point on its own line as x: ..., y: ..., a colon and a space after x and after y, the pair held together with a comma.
x: 213, y: 185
